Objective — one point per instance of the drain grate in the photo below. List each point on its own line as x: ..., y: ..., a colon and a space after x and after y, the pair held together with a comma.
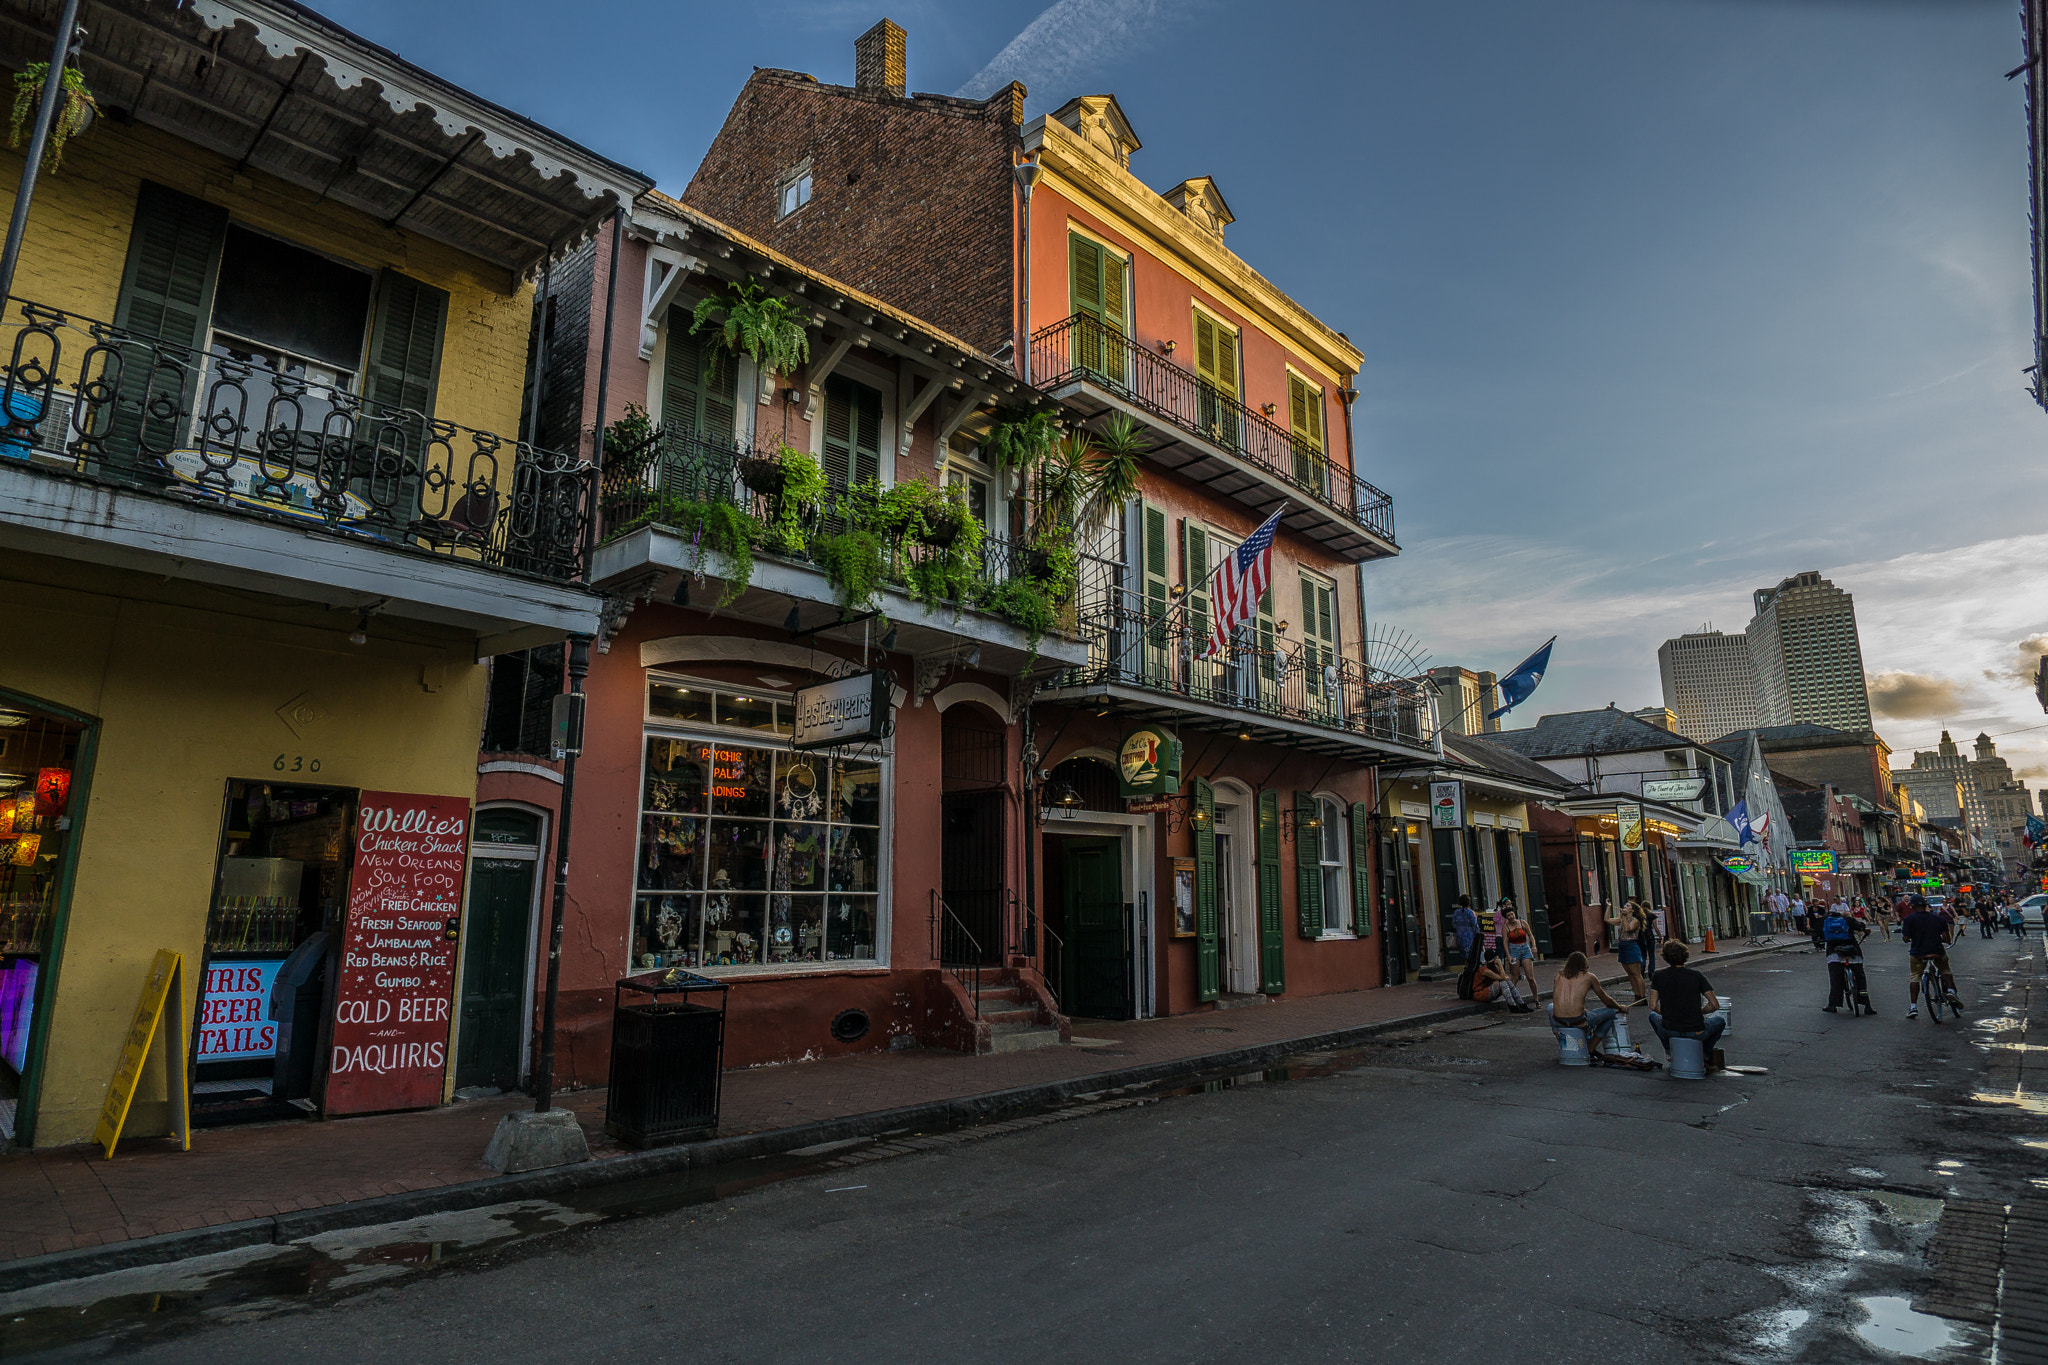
x: 1977, y: 1240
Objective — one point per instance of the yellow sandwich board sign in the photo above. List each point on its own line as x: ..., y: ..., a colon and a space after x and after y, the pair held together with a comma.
x: 160, y: 1010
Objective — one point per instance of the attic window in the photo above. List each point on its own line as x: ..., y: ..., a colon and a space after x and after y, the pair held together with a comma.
x: 793, y: 191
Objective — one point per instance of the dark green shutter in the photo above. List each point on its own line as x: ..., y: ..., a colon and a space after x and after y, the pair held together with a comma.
x: 1195, y: 569
x: 1084, y: 275
x: 399, y: 382
x: 1208, y: 962
x: 166, y: 296
x: 1538, y: 909
x: 1443, y: 845
x: 1361, y: 877
x: 1272, y: 944
x: 853, y: 433
x: 1308, y: 868
x: 1153, y: 569
x: 680, y: 378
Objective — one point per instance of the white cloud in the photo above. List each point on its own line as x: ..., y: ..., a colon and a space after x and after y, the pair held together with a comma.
x: 1064, y: 43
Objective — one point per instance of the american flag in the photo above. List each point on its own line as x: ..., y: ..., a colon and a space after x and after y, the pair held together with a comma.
x: 1239, y: 582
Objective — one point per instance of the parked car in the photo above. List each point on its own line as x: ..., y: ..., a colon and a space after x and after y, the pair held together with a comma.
x: 2033, y: 910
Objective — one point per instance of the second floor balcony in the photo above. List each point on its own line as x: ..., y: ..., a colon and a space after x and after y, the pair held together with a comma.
x: 676, y: 506
x: 1147, y: 661
x: 236, y: 469
x: 1204, y: 433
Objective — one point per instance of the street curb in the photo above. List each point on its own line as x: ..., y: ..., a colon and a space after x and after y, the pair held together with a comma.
x: 936, y: 1115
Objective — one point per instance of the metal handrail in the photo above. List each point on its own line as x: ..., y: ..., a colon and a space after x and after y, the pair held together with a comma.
x: 1082, y: 349
x: 85, y: 398
x: 1136, y: 643
x: 1061, y: 954
x: 956, y: 950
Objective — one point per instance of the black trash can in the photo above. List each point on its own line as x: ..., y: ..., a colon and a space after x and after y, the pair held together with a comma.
x: 667, y: 1054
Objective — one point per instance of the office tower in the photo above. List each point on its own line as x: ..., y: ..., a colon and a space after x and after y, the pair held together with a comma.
x: 1806, y: 659
x: 1708, y: 684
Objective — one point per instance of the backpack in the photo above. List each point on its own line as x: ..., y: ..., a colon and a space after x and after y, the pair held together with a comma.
x: 1836, y: 928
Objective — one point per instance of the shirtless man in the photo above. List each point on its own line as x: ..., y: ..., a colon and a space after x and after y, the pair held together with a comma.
x: 1568, y: 1002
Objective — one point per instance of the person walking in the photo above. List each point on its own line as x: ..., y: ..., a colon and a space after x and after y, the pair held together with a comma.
x: 2016, y: 920
x: 1465, y: 924
x: 1519, y: 944
x: 1630, y: 924
x: 1798, y: 908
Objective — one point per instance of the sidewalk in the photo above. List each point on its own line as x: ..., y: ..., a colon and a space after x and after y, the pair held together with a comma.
x: 280, y: 1181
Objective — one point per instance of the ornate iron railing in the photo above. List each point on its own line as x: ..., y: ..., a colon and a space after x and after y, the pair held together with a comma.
x: 670, y: 478
x: 1080, y: 348
x: 1134, y: 643
x: 85, y: 398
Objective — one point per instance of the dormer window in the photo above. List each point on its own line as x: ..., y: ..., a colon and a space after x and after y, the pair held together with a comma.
x: 793, y: 191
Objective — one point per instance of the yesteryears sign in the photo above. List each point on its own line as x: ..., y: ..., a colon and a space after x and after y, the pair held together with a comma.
x: 398, y: 953
x: 846, y: 711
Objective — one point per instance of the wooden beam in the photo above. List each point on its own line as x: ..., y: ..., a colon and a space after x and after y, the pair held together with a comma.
x: 819, y: 372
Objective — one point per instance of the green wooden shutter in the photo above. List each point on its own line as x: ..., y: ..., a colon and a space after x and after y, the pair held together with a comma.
x: 1308, y: 868
x: 1444, y: 849
x: 680, y: 377
x: 1205, y: 348
x: 1305, y: 423
x: 1537, y: 911
x: 1113, y: 292
x: 1084, y: 276
x: 867, y: 434
x: 1158, y: 655
x: 1361, y: 875
x: 1272, y: 944
x: 405, y: 344
x: 838, y: 459
x: 1195, y: 574
x: 1208, y: 961
x: 853, y: 433
x: 166, y: 296
x: 1268, y: 641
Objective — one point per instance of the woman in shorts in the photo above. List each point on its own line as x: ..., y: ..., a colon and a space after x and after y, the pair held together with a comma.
x: 1519, y: 943
x: 1630, y: 924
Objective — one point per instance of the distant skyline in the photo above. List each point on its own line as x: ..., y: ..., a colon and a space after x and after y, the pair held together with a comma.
x: 1661, y: 300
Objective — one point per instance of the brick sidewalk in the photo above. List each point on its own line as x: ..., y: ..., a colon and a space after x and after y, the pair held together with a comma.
x: 65, y: 1198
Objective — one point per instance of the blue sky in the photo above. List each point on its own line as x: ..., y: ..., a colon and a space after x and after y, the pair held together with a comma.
x: 1661, y: 300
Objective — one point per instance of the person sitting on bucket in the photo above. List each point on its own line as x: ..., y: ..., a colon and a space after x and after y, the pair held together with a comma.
x: 1568, y: 1003
x: 1681, y: 1001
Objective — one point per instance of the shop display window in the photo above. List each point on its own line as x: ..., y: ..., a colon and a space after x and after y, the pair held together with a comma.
x: 752, y: 855
x: 37, y: 755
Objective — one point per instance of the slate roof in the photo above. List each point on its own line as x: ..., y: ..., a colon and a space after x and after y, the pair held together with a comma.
x: 1571, y: 734
x: 1483, y: 753
x: 1791, y: 736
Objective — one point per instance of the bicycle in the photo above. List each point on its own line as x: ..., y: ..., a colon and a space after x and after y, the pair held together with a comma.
x: 1930, y: 992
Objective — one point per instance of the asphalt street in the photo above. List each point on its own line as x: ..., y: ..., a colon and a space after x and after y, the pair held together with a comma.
x: 1446, y: 1195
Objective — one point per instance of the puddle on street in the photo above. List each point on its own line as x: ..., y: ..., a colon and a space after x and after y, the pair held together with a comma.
x: 1894, y: 1326
x: 1907, y: 1208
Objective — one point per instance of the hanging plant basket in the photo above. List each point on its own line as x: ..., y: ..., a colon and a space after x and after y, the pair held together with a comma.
x: 941, y: 527
x: 76, y: 109
x: 764, y: 474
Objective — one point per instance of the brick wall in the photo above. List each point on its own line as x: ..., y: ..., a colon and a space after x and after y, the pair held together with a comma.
x: 912, y: 199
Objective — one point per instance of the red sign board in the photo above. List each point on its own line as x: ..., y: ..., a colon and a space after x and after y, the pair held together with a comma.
x: 398, y: 953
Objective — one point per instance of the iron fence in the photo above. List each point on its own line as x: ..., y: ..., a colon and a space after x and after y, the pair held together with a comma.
x: 234, y: 431
x: 1082, y: 348
x: 957, y: 950
x: 1136, y: 643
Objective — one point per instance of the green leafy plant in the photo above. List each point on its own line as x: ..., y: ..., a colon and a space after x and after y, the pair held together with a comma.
x: 76, y: 109
x: 747, y: 320
x: 627, y: 448
x: 856, y: 566
x: 1024, y: 605
x: 803, y: 487
x: 712, y: 526
x: 1020, y: 437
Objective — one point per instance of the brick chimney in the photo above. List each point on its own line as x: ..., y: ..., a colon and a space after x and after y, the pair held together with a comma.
x: 878, y: 60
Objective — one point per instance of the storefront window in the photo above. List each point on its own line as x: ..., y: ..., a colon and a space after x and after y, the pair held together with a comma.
x: 38, y: 753
x: 752, y: 855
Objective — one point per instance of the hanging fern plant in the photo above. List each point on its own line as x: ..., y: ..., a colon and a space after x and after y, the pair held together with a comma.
x: 716, y: 527
x: 746, y: 320
x: 1020, y: 437
x: 803, y: 488
x: 76, y: 109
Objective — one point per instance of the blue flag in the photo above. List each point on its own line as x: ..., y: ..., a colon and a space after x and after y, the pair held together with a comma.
x: 1739, y: 817
x: 1516, y: 686
x: 2035, y: 829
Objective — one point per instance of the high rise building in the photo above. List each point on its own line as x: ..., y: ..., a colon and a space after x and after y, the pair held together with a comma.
x: 1466, y: 697
x: 1993, y: 803
x: 1805, y: 656
x: 1708, y: 683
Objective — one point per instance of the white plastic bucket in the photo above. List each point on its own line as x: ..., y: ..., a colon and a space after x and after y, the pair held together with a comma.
x: 1572, y: 1049
x: 1688, y: 1059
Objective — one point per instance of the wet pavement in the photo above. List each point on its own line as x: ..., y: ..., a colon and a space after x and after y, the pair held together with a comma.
x: 1402, y: 1200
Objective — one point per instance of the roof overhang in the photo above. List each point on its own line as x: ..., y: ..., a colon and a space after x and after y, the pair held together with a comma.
x: 1481, y: 781
x: 1254, y: 727
x: 277, y: 88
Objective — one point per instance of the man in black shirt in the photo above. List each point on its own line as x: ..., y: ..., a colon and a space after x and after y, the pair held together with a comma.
x: 1927, y: 934
x: 1681, y: 999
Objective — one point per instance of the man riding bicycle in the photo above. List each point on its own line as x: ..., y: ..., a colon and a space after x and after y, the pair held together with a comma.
x: 1927, y: 936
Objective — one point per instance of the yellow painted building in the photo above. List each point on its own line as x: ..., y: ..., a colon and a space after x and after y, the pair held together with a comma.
x: 263, y: 517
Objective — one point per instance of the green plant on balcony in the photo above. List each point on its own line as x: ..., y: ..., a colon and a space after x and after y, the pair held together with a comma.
x: 937, y: 520
x: 747, y: 320
x: 1037, y: 600
x: 76, y: 109
x: 627, y: 446
x: 1019, y: 438
x: 856, y: 565
x: 716, y: 527
x: 800, y: 489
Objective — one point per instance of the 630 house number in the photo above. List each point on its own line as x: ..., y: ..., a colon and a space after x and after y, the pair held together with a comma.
x: 295, y: 763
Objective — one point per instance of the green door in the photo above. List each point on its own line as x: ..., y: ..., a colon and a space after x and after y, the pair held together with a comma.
x: 1098, y: 929
x: 503, y: 862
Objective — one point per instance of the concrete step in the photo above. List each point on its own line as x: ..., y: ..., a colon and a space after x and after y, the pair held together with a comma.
x: 1022, y: 1037
x: 1009, y: 1012
x: 1240, y: 1002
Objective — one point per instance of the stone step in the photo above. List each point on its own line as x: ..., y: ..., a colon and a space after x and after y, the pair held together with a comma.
x: 1240, y: 1002
x: 1022, y: 1037
x: 1014, y: 1014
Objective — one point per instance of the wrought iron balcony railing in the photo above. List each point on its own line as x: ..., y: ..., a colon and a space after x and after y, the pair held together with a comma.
x: 1139, y: 644
x: 674, y: 478
x: 1082, y: 348
x: 84, y: 398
